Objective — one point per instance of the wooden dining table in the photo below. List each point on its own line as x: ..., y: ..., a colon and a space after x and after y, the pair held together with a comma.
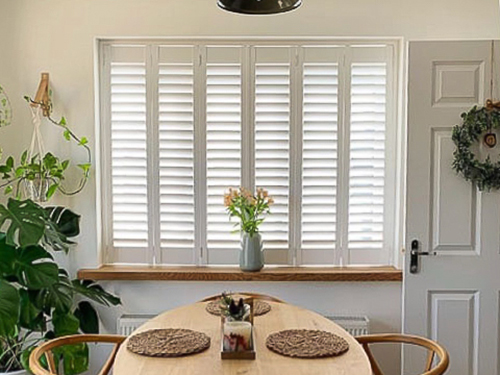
x: 281, y: 317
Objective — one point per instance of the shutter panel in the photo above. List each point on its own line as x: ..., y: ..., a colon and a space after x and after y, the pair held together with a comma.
x: 224, y: 85
x: 272, y: 144
x: 176, y: 154
x: 128, y: 153
x: 319, y: 155
x: 367, y: 159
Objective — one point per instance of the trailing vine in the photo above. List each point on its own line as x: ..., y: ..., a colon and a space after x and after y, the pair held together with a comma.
x: 484, y: 174
x: 46, y: 167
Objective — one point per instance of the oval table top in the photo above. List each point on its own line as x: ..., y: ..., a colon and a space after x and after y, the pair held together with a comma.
x: 282, y: 316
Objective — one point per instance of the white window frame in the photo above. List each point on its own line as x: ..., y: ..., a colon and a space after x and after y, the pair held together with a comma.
x: 395, y: 145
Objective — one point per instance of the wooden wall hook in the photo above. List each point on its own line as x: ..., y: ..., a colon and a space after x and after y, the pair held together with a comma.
x: 42, y: 95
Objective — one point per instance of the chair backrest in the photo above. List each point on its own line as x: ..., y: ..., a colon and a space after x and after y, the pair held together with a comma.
x: 433, y: 348
x: 262, y: 297
x: 45, y: 350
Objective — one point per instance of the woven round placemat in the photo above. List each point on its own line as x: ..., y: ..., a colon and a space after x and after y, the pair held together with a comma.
x: 260, y: 308
x: 171, y: 342
x: 304, y: 343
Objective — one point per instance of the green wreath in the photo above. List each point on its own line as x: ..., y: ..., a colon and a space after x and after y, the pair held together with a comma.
x: 484, y: 174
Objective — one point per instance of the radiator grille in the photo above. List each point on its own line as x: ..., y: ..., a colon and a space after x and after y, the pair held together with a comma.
x: 129, y: 323
x: 355, y: 325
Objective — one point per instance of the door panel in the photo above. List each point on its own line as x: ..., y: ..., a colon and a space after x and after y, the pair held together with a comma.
x: 457, y: 236
x: 454, y: 299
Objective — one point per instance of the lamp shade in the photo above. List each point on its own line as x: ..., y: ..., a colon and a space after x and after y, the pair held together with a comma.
x: 259, y: 6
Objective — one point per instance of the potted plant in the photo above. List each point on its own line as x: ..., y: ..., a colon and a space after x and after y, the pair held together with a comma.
x: 42, y: 174
x: 38, y: 300
x: 251, y: 210
x: 237, y: 327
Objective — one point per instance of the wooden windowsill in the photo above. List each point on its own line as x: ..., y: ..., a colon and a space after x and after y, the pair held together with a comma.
x: 191, y: 273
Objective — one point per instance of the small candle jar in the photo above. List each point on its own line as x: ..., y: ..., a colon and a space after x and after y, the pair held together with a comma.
x: 237, y: 336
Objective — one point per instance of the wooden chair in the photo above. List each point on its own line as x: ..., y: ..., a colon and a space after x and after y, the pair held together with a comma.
x: 46, y: 350
x: 434, y: 349
x: 262, y: 297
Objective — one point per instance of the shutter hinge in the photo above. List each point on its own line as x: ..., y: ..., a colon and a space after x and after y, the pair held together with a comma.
x: 200, y: 60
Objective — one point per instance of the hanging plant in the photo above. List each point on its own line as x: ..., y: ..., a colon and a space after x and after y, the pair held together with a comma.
x: 44, y: 174
x: 478, y: 121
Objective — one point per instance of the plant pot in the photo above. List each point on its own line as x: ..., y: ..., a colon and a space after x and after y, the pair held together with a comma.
x: 19, y: 372
x: 36, y: 189
x: 251, y: 254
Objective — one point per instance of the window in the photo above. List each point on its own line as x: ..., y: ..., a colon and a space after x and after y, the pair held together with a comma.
x: 313, y: 122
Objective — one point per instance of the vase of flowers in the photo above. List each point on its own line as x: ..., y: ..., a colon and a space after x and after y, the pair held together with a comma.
x: 251, y: 210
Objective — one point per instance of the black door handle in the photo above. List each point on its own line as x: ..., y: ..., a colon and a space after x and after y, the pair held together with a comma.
x: 415, y: 254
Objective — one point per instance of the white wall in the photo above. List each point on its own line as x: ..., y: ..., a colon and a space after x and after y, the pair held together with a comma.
x: 58, y: 36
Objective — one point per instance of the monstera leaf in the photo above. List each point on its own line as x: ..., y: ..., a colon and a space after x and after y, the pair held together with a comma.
x: 95, y: 292
x: 35, y: 268
x: 58, y: 296
x: 66, y: 221
x: 75, y: 358
x: 25, y: 222
x: 9, y: 309
x: 62, y: 224
x: 7, y: 258
x: 65, y: 324
x: 86, y: 314
x: 31, y: 317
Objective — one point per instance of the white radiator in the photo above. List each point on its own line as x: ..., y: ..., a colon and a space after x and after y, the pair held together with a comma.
x: 129, y: 323
x: 355, y: 325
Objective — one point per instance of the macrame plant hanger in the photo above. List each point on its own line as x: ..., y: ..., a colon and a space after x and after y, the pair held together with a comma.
x: 490, y: 138
x: 40, y: 108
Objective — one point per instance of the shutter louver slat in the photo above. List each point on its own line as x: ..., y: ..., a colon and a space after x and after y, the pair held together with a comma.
x: 367, y: 156
x: 223, y: 153
x: 128, y: 155
x: 272, y: 159
x: 176, y: 158
x: 319, y: 154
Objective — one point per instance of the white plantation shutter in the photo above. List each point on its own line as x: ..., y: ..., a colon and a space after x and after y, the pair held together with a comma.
x: 176, y: 154
x: 128, y: 156
x: 313, y: 123
x: 272, y: 144
x: 319, y: 155
x: 368, y: 157
x: 223, y: 98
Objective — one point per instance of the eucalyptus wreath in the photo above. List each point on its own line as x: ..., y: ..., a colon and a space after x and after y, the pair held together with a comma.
x: 484, y: 174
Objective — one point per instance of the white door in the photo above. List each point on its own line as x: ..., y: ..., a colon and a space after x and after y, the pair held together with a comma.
x: 454, y: 298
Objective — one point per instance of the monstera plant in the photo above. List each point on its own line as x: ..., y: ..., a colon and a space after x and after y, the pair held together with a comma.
x: 38, y: 299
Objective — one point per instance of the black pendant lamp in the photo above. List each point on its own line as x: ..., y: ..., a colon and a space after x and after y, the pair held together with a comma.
x: 259, y: 6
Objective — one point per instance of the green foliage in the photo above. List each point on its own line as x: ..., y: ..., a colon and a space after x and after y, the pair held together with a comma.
x: 9, y: 309
x: 26, y: 222
x: 48, y: 168
x: 484, y: 174
x: 234, y: 310
x: 27, y: 225
x: 47, y: 171
x: 38, y: 297
x: 250, y: 209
